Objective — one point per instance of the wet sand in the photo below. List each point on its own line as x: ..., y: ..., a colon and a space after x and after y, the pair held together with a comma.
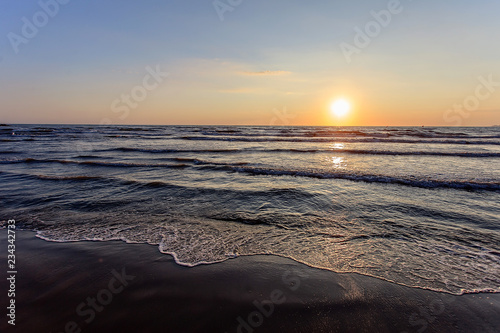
x: 119, y: 287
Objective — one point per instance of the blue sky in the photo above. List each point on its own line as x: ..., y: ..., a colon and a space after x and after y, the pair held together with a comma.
x: 264, y: 55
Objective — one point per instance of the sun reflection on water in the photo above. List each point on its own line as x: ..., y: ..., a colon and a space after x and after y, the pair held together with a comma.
x: 338, y: 146
x: 338, y: 162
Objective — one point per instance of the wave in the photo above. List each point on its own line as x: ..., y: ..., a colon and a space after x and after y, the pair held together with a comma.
x: 88, y: 156
x: 94, y: 163
x: 337, y: 132
x: 193, y: 161
x: 68, y: 178
x: 136, y: 165
x: 368, y: 178
x: 136, y: 129
x: 167, y: 151
x: 19, y: 175
x: 137, y: 183
x: 253, y: 131
x: 341, y: 139
x: 388, y: 152
x: 243, y: 167
x: 298, y: 150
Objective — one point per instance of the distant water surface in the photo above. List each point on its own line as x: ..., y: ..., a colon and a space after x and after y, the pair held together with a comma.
x: 416, y: 206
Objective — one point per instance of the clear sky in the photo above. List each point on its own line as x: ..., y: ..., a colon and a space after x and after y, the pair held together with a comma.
x: 281, y: 62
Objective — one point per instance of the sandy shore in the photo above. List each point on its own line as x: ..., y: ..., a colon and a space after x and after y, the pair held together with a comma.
x: 119, y: 287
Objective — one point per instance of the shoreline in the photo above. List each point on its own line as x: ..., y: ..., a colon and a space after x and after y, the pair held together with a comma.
x: 308, y: 266
x: 92, y: 286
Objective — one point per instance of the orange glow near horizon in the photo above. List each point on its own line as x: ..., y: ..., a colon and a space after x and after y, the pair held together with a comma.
x: 338, y: 112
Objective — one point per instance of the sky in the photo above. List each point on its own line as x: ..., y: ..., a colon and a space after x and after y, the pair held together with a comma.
x: 242, y: 62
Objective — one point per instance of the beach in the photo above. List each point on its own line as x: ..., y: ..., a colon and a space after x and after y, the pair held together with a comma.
x: 151, y: 293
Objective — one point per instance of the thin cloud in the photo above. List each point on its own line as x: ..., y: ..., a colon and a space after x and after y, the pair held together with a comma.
x: 266, y: 73
x: 236, y: 91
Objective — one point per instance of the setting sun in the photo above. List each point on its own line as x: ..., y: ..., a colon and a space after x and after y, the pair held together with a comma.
x: 340, y: 107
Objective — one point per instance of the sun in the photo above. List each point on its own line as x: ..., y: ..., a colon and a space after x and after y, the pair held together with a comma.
x: 340, y: 107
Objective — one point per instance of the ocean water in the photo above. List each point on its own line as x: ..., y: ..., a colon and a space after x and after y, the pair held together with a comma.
x: 416, y: 206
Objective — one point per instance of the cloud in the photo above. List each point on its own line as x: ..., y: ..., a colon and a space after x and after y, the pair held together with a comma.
x: 267, y: 73
x: 237, y: 91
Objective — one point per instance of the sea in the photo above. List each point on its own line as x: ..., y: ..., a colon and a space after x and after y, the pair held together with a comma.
x: 417, y: 206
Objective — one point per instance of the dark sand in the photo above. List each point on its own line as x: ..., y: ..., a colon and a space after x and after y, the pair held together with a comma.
x: 56, y: 279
